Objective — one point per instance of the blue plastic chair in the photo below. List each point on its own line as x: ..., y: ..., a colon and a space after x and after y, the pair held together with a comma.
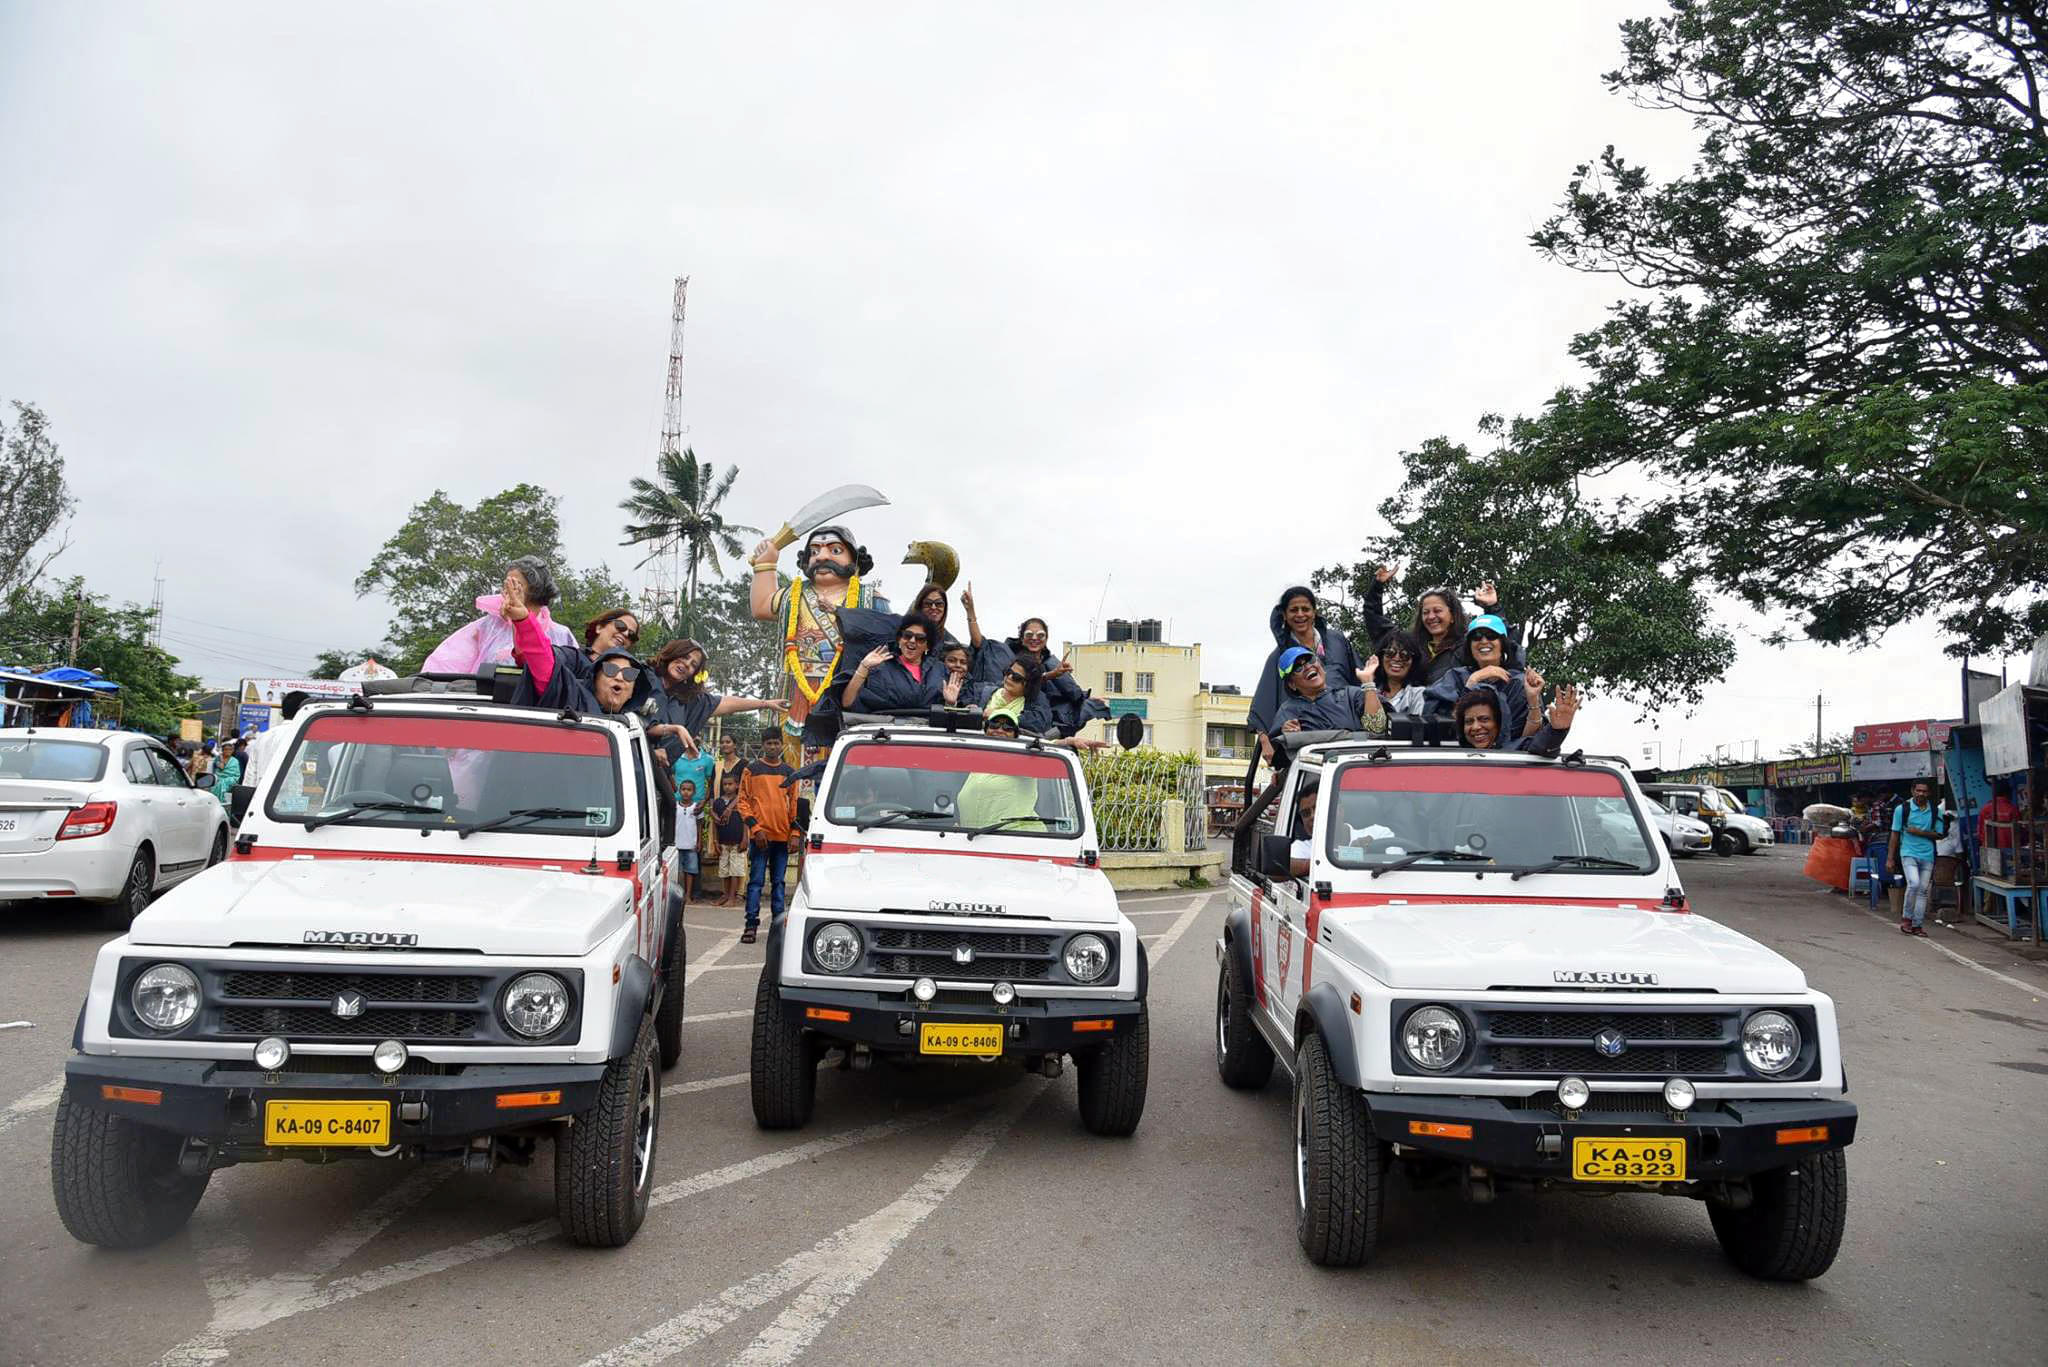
x: 1859, y: 876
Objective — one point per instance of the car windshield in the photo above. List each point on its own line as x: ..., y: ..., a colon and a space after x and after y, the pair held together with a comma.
x: 61, y: 761
x: 1003, y: 790
x: 372, y: 769
x: 1523, y: 816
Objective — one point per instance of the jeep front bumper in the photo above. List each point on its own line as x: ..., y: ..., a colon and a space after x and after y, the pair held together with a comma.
x: 890, y: 1021
x: 222, y: 1103
x: 1729, y: 1138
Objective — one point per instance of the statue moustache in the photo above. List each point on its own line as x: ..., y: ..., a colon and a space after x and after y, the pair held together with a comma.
x: 844, y: 569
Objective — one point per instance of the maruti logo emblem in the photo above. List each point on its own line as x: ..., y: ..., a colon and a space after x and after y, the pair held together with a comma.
x: 348, y: 1004
x: 963, y: 954
x: 1610, y: 1042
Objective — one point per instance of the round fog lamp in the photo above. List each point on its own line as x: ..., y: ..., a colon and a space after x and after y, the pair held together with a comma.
x: 1003, y: 993
x: 389, y: 1056
x: 1680, y: 1094
x: 1573, y: 1094
x: 924, y: 989
x: 1770, y: 1041
x: 271, y: 1054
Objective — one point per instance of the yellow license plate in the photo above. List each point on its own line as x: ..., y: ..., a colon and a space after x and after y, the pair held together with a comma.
x: 1628, y: 1160
x: 337, y: 1124
x: 960, y: 1039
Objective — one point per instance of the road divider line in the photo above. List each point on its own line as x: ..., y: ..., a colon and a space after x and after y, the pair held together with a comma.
x: 716, y: 1016
x: 41, y: 1099
x: 831, y: 1272
x: 1170, y: 937
x: 17, y: 1025
x: 705, y: 1084
x: 699, y: 967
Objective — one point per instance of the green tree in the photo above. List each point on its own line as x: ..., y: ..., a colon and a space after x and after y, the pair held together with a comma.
x: 1600, y: 604
x: 35, y: 630
x: 677, y: 513
x: 1834, y: 378
x: 33, y: 498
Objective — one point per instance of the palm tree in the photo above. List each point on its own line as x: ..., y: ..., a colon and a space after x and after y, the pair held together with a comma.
x: 678, y: 513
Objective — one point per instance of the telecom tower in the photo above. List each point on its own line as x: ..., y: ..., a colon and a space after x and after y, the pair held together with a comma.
x: 665, y: 572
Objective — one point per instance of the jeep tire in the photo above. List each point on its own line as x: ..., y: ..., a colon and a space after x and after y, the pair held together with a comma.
x: 133, y: 898
x: 1792, y: 1228
x: 784, y: 1064
x: 117, y: 1182
x: 604, y: 1159
x: 668, y: 1021
x: 1113, y: 1077
x: 1340, y: 1165
x: 1243, y: 1058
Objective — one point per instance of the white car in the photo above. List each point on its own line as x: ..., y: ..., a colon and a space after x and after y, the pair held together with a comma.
x: 1683, y: 835
x: 1733, y: 829
x: 107, y: 817
x: 1500, y: 989
x: 449, y: 929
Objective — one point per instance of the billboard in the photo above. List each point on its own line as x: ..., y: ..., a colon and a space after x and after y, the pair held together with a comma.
x: 270, y: 692
x: 1807, y: 773
x: 1892, y: 737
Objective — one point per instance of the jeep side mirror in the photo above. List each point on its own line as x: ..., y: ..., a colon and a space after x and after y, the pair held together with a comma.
x: 1276, y: 858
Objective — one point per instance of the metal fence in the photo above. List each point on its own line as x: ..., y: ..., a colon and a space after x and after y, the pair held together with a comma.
x: 1129, y: 789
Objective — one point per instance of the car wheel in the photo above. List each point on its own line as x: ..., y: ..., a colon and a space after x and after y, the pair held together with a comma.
x: 117, y: 1183
x: 1340, y: 1165
x: 784, y: 1065
x: 668, y: 1021
x: 1112, y: 1080
x: 604, y: 1159
x: 1724, y: 843
x: 1243, y: 1058
x: 1741, y: 843
x: 1792, y: 1228
x: 219, y: 851
x: 135, y: 892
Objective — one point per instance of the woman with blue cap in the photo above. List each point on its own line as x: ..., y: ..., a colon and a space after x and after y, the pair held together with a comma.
x: 1487, y: 660
x: 1313, y: 703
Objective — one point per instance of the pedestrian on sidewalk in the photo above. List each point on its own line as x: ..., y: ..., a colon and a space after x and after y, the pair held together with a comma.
x: 1915, y: 828
x: 768, y: 811
x: 687, y: 812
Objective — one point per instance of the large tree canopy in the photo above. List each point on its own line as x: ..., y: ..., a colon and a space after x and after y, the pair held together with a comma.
x: 35, y: 630
x: 33, y: 498
x: 1835, y: 385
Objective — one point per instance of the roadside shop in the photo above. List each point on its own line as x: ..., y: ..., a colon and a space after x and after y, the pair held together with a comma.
x: 62, y: 696
x: 2012, y: 856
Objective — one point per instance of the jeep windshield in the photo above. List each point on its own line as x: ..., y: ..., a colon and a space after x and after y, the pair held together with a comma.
x: 981, y: 789
x: 1465, y: 816
x: 454, y: 772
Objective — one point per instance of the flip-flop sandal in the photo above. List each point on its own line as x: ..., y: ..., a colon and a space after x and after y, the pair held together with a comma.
x: 747, y: 937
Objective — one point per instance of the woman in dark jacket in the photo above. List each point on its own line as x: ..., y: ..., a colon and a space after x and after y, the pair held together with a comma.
x: 1297, y: 620
x: 684, y: 706
x: 1488, y: 660
x: 1439, y: 625
x: 931, y: 605
x: 902, y: 675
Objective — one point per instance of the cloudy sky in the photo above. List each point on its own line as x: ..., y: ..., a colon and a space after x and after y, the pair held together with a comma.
x: 1135, y: 298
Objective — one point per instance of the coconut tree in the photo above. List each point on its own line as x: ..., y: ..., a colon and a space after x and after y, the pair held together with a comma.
x: 677, y: 514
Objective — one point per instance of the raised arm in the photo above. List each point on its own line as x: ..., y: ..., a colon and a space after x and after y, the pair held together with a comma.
x: 761, y: 593
x: 729, y: 704
x: 874, y: 660
x: 974, y: 636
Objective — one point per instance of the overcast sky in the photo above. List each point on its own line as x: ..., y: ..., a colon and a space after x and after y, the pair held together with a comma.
x: 1138, y: 296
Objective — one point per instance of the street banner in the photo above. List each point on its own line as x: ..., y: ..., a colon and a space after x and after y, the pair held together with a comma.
x: 270, y: 692
x: 1895, y: 766
x: 1885, y: 738
x: 1807, y: 773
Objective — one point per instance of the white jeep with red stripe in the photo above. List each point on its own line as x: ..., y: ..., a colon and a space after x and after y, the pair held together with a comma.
x: 449, y: 929
x: 1480, y: 966
x: 952, y: 907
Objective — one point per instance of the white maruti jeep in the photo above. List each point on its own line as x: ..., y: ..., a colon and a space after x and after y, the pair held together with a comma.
x: 952, y: 906
x: 449, y: 928
x: 1481, y: 966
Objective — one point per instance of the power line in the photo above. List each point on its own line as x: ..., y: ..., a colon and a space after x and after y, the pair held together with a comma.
x: 242, y: 631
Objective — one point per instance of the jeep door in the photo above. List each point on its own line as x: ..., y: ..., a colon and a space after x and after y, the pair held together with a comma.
x: 650, y: 881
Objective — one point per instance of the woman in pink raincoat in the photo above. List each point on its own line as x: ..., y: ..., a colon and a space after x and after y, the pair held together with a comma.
x: 488, y: 639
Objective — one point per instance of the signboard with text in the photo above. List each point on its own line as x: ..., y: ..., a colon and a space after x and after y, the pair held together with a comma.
x: 1807, y: 773
x: 1887, y: 738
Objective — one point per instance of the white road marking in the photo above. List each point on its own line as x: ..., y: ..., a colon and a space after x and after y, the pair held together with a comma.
x: 726, y: 968
x: 490, y: 1246
x: 716, y: 1016
x: 828, y: 1274
x: 42, y: 1098
x: 1171, y: 935
x: 699, y: 967
x: 1152, y: 911
x: 17, y: 1025
x: 1965, y: 960
x: 705, y: 1084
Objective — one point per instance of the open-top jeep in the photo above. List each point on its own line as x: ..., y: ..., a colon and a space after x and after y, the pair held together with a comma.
x: 952, y: 905
x: 1481, y: 966
x: 449, y: 928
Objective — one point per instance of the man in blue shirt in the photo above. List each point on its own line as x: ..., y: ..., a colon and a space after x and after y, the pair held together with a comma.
x: 1915, y: 828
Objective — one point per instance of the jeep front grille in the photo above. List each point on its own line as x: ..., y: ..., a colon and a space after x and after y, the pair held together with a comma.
x: 317, y: 1022
x: 320, y: 986
x: 1654, y: 1042
x: 902, y: 951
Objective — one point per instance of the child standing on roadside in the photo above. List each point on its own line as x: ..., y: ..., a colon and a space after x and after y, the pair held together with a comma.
x: 687, y: 811
x: 732, y: 836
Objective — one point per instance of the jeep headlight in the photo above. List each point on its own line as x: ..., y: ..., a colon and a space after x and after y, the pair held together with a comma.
x: 1770, y: 1041
x: 836, y: 946
x: 1087, y: 958
x: 1433, y: 1037
x: 165, y: 996
x: 536, y: 1004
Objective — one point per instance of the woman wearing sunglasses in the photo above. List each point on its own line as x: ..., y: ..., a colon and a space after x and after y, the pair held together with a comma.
x: 1398, y: 674
x: 1298, y: 624
x: 686, y: 705
x: 1066, y: 702
x: 1439, y: 625
x: 898, y: 676
x: 1488, y: 661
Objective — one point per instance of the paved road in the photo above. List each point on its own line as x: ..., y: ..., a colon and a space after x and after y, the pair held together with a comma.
x: 961, y: 1215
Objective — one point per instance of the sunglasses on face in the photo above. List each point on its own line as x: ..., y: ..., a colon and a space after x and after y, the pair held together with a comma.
x: 916, y: 636
x: 1304, y: 667
x: 1002, y: 730
x: 1034, y: 636
x: 1017, y: 676
x: 612, y: 669
x: 1484, y: 636
x: 1396, y: 657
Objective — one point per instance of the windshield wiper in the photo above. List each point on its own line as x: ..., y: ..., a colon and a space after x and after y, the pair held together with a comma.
x: 1405, y: 860
x: 522, y: 814
x: 1584, y: 861
x: 356, y: 809
x: 1009, y: 820
x: 904, y: 814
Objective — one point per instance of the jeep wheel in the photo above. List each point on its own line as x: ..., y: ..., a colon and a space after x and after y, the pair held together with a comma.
x: 117, y: 1183
x: 1243, y: 1057
x: 1112, y: 1079
x: 1793, y: 1226
x: 1340, y: 1165
x: 668, y: 1021
x: 604, y: 1160
x: 784, y: 1066
x: 133, y: 897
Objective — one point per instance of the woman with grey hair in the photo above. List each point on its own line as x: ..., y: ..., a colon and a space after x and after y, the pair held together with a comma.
x: 488, y: 639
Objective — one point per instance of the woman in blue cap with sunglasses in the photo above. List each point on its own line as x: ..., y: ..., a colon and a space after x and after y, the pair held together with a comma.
x: 1488, y: 660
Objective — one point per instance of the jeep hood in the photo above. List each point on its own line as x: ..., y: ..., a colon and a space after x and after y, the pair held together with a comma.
x: 1438, y: 947
x: 963, y: 884
x: 497, y: 910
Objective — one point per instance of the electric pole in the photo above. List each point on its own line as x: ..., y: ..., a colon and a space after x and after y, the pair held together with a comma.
x: 77, y: 618
x: 1816, y: 726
